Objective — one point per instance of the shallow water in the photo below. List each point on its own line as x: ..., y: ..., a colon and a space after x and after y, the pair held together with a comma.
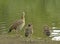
x: 39, y: 12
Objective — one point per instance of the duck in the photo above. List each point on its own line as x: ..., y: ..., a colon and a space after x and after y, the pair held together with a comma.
x: 19, y: 24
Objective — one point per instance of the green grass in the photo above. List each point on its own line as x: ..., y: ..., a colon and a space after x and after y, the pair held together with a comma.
x: 38, y: 12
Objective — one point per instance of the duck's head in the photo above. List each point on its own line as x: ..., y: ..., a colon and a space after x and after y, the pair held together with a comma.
x: 23, y: 15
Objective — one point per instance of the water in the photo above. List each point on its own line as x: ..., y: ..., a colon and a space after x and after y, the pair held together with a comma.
x: 2, y: 27
x: 39, y: 12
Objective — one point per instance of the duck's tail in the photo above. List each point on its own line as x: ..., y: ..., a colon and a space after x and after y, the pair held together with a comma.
x: 9, y: 30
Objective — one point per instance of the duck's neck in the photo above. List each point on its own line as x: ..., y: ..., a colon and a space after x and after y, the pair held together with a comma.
x: 23, y: 16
